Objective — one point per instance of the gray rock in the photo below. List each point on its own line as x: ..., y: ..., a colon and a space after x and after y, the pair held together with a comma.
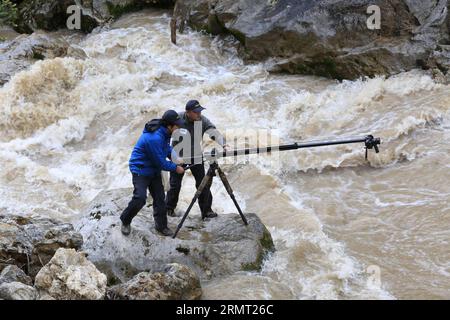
x: 52, y: 14
x: 21, y: 52
x: 17, y: 291
x: 39, y: 45
x: 45, y: 296
x: 327, y: 38
x: 76, y: 52
x: 10, y: 66
x: 70, y: 276
x: 177, y: 282
x: 211, y: 248
x: 13, y: 273
x: 114, y: 8
x: 31, y: 243
x: 441, y: 58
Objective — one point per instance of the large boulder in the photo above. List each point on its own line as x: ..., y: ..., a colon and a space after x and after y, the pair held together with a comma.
x: 31, y: 243
x: 212, y: 248
x: 52, y: 14
x: 13, y: 273
x: 24, y: 50
x: 70, y: 276
x: 17, y: 291
x: 177, y: 282
x: 114, y: 8
x: 16, y: 285
x: 328, y: 38
x: 441, y: 58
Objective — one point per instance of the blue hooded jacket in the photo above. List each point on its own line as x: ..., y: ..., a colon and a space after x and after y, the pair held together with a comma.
x: 150, y: 153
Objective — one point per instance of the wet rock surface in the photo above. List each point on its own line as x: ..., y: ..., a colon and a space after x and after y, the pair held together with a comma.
x: 329, y: 38
x: 53, y: 14
x: 70, y: 276
x: 142, y: 266
x: 17, y: 291
x: 31, y: 243
x: 24, y: 50
x: 13, y: 273
x: 175, y: 283
x: 211, y: 248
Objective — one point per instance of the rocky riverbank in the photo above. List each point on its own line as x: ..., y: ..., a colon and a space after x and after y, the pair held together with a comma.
x: 37, y: 30
x: 44, y: 259
x: 324, y: 38
x: 24, y: 50
x: 30, y: 15
x: 211, y: 248
x: 330, y: 38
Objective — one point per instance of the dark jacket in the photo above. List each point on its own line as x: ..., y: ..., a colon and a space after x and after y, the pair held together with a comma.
x: 204, y: 126
x: 150, y: 153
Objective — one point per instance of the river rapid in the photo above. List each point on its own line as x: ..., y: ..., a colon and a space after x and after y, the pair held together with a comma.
x: 343, y: 227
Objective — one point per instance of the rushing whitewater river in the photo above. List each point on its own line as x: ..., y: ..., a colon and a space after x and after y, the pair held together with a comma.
x: 343, y: 227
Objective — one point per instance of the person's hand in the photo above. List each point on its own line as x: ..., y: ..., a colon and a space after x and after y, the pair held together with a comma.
x: 180, y: 170
x: 226, y: 147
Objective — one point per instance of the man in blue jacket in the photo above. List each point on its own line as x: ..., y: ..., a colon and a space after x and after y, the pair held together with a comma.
x: 148, y: 158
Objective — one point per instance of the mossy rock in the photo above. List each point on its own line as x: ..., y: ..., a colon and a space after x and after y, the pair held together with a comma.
x: 118, y: 10
x: 267, y: 247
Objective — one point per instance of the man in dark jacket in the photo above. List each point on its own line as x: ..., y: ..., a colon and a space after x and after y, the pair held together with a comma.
x: 148, y: 158
x: 190, y: 135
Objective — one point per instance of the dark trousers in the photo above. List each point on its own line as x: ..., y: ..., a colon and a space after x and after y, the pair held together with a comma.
x: 205, y: 198
x: 155, y: 186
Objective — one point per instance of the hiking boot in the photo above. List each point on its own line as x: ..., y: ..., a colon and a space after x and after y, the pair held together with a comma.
x: 209, y: 214
x: 171, y: 213
x: 165, y: 232
x: 126, y: 229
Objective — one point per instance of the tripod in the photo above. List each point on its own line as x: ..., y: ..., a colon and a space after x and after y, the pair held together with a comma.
x: 206, y: 183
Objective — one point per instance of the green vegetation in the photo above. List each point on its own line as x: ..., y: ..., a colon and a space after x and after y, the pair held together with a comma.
x: 325, y: 67
x: 238, y: 35
x: 118, y: 10
x: 39, y: 56
x: 8, y: 13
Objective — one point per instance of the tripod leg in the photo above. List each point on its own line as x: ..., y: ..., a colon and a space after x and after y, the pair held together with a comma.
x: 207, y: 180
x: 230, y: 192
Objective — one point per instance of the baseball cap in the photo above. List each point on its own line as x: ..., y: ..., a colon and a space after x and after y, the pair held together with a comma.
x: 171, y: 117
x: 194, y: 105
